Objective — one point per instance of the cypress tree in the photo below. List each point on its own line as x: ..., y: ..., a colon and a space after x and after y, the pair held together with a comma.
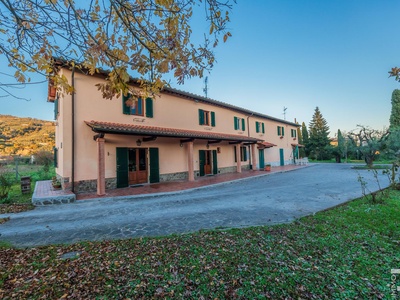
x: 395, y: 114
x: 304, y: 135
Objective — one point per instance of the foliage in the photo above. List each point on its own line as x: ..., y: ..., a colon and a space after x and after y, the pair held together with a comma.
x: 343, y: 253
x: 44, y: 158
x: 302, y: 152
x: 304, y: 134
x: 26, y: 136
x: 149, y: 37
x: 369, y: 142
x: 318, y: 142
x: 395, y: 113
x: 6, y: 182
x: 340, y: 150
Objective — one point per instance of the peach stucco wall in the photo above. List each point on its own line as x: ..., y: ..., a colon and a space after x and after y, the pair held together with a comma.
x: 169, y: 111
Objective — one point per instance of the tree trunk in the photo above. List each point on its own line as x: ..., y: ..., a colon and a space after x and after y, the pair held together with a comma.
x: 369, y: 160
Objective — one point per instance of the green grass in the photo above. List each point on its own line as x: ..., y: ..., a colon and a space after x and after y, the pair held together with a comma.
x: 343, y: 253
x: 35, y: 172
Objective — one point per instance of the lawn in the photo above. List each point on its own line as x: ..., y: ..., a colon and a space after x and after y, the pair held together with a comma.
x: 343, y: 253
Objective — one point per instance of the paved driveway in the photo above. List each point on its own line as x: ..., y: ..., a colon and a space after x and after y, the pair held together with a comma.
x: 271, y: 199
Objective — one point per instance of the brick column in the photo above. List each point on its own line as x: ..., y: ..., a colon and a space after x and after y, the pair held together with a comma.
x: 101, y: 169
x: 190, y: 161
x: 253, y: 155
x: 238, y: 161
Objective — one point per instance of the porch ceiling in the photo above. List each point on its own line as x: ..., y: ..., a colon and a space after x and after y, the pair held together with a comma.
x: 133, y: 129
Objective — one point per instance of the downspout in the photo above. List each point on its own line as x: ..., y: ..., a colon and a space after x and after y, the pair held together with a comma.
x: 73, y: 129
x: 248, y: 134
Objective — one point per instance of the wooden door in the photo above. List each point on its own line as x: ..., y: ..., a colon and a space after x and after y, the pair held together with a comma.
x: 137, y: 165
x: 261, y: 159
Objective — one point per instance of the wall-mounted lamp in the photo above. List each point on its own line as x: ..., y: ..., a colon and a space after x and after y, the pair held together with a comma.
x: 181, y: 144
x: 138, y: 142
x: 208, y: 146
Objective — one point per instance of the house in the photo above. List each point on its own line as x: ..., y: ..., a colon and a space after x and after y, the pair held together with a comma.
x: 106, y: 144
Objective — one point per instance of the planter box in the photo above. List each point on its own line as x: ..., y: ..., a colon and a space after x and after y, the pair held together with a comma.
x: 267, y: 168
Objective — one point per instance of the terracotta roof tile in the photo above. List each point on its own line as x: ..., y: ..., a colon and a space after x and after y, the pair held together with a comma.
x: 133, y: 129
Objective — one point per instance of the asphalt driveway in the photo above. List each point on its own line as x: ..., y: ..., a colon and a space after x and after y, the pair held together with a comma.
x: 266, y: 200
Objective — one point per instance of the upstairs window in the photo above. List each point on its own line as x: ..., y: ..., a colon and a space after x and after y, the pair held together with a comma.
x: 239, y: 123
x: 206, y: 118
x: 260, y: 127
x: 136, y: 106
x: 293, y: 133
x: 281, y: 130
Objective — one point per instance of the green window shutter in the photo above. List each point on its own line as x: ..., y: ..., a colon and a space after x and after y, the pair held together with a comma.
x: 257, y: 127
x: 122, y: 167
x: 55, y: 157
x: 55, y: 109
x: 215, y: 163
x: 154, y: 165
x: 126, y: 110
x: 263, y: 127
x: 279, y: 130
x: 202, y: 161
x: 234, y: 151
x: 201, y: 117
x: 235, y: 123
x: 149, y: 107
x: 283, y: 131
x: 244, y: 153
x: 213, y: 119
x: 243, y: 125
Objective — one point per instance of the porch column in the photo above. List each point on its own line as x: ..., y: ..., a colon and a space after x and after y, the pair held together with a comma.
x: 101, y: 170
x: 190, y: 161
x: 238, y: 160
x: 253, y: 155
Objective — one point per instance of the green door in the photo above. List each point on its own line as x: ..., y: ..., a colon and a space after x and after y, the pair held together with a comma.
x: 261, y: 159
x: 202, y: 159
x: 215, y: 164
x: 154, y: 165
x: 122, y: 167
x: 282, y: 157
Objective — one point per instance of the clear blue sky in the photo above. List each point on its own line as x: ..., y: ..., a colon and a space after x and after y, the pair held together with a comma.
x: 296, y: 54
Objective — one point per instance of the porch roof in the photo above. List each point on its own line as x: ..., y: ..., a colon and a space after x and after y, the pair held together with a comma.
x: 265, y: 145
x: 152, y: 131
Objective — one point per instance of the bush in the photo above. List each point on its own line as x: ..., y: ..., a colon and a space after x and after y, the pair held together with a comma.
x: 6, y: 182
x: 44, y: 158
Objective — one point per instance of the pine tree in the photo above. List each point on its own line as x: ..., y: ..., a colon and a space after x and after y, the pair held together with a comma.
x: 304, y: 134
x: 318, y: 143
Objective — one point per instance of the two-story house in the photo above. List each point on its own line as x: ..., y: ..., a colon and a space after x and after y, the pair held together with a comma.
x: 106, y: 144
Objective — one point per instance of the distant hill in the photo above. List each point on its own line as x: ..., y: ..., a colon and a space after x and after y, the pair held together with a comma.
x: 25, y: 136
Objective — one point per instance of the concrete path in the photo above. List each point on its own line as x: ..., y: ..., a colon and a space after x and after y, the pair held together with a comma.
x: 265, y: 200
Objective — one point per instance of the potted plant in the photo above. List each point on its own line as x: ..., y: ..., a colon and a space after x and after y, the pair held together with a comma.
x: 267, y: 167
x: 56, y: 183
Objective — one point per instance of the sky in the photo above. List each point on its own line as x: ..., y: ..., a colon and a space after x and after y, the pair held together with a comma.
x: 297, y: 54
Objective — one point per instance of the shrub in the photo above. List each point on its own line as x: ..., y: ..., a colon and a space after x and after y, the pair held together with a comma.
x: 44, y: 158
x: 6, y: 182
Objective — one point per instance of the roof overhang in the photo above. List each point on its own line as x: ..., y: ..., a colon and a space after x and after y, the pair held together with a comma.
x: 263, y: 145
x: 298, y: 145
x: 152, y: 131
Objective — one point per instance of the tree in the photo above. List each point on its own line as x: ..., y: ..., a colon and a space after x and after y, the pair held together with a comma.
x: 394, y: 126
x: 395, y: 113
x: 318, y: 142
x: 149, y: 37
x: 300, y: 139
x: 304, y: 134
x: 340, y: 150
x: 369, y: 142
